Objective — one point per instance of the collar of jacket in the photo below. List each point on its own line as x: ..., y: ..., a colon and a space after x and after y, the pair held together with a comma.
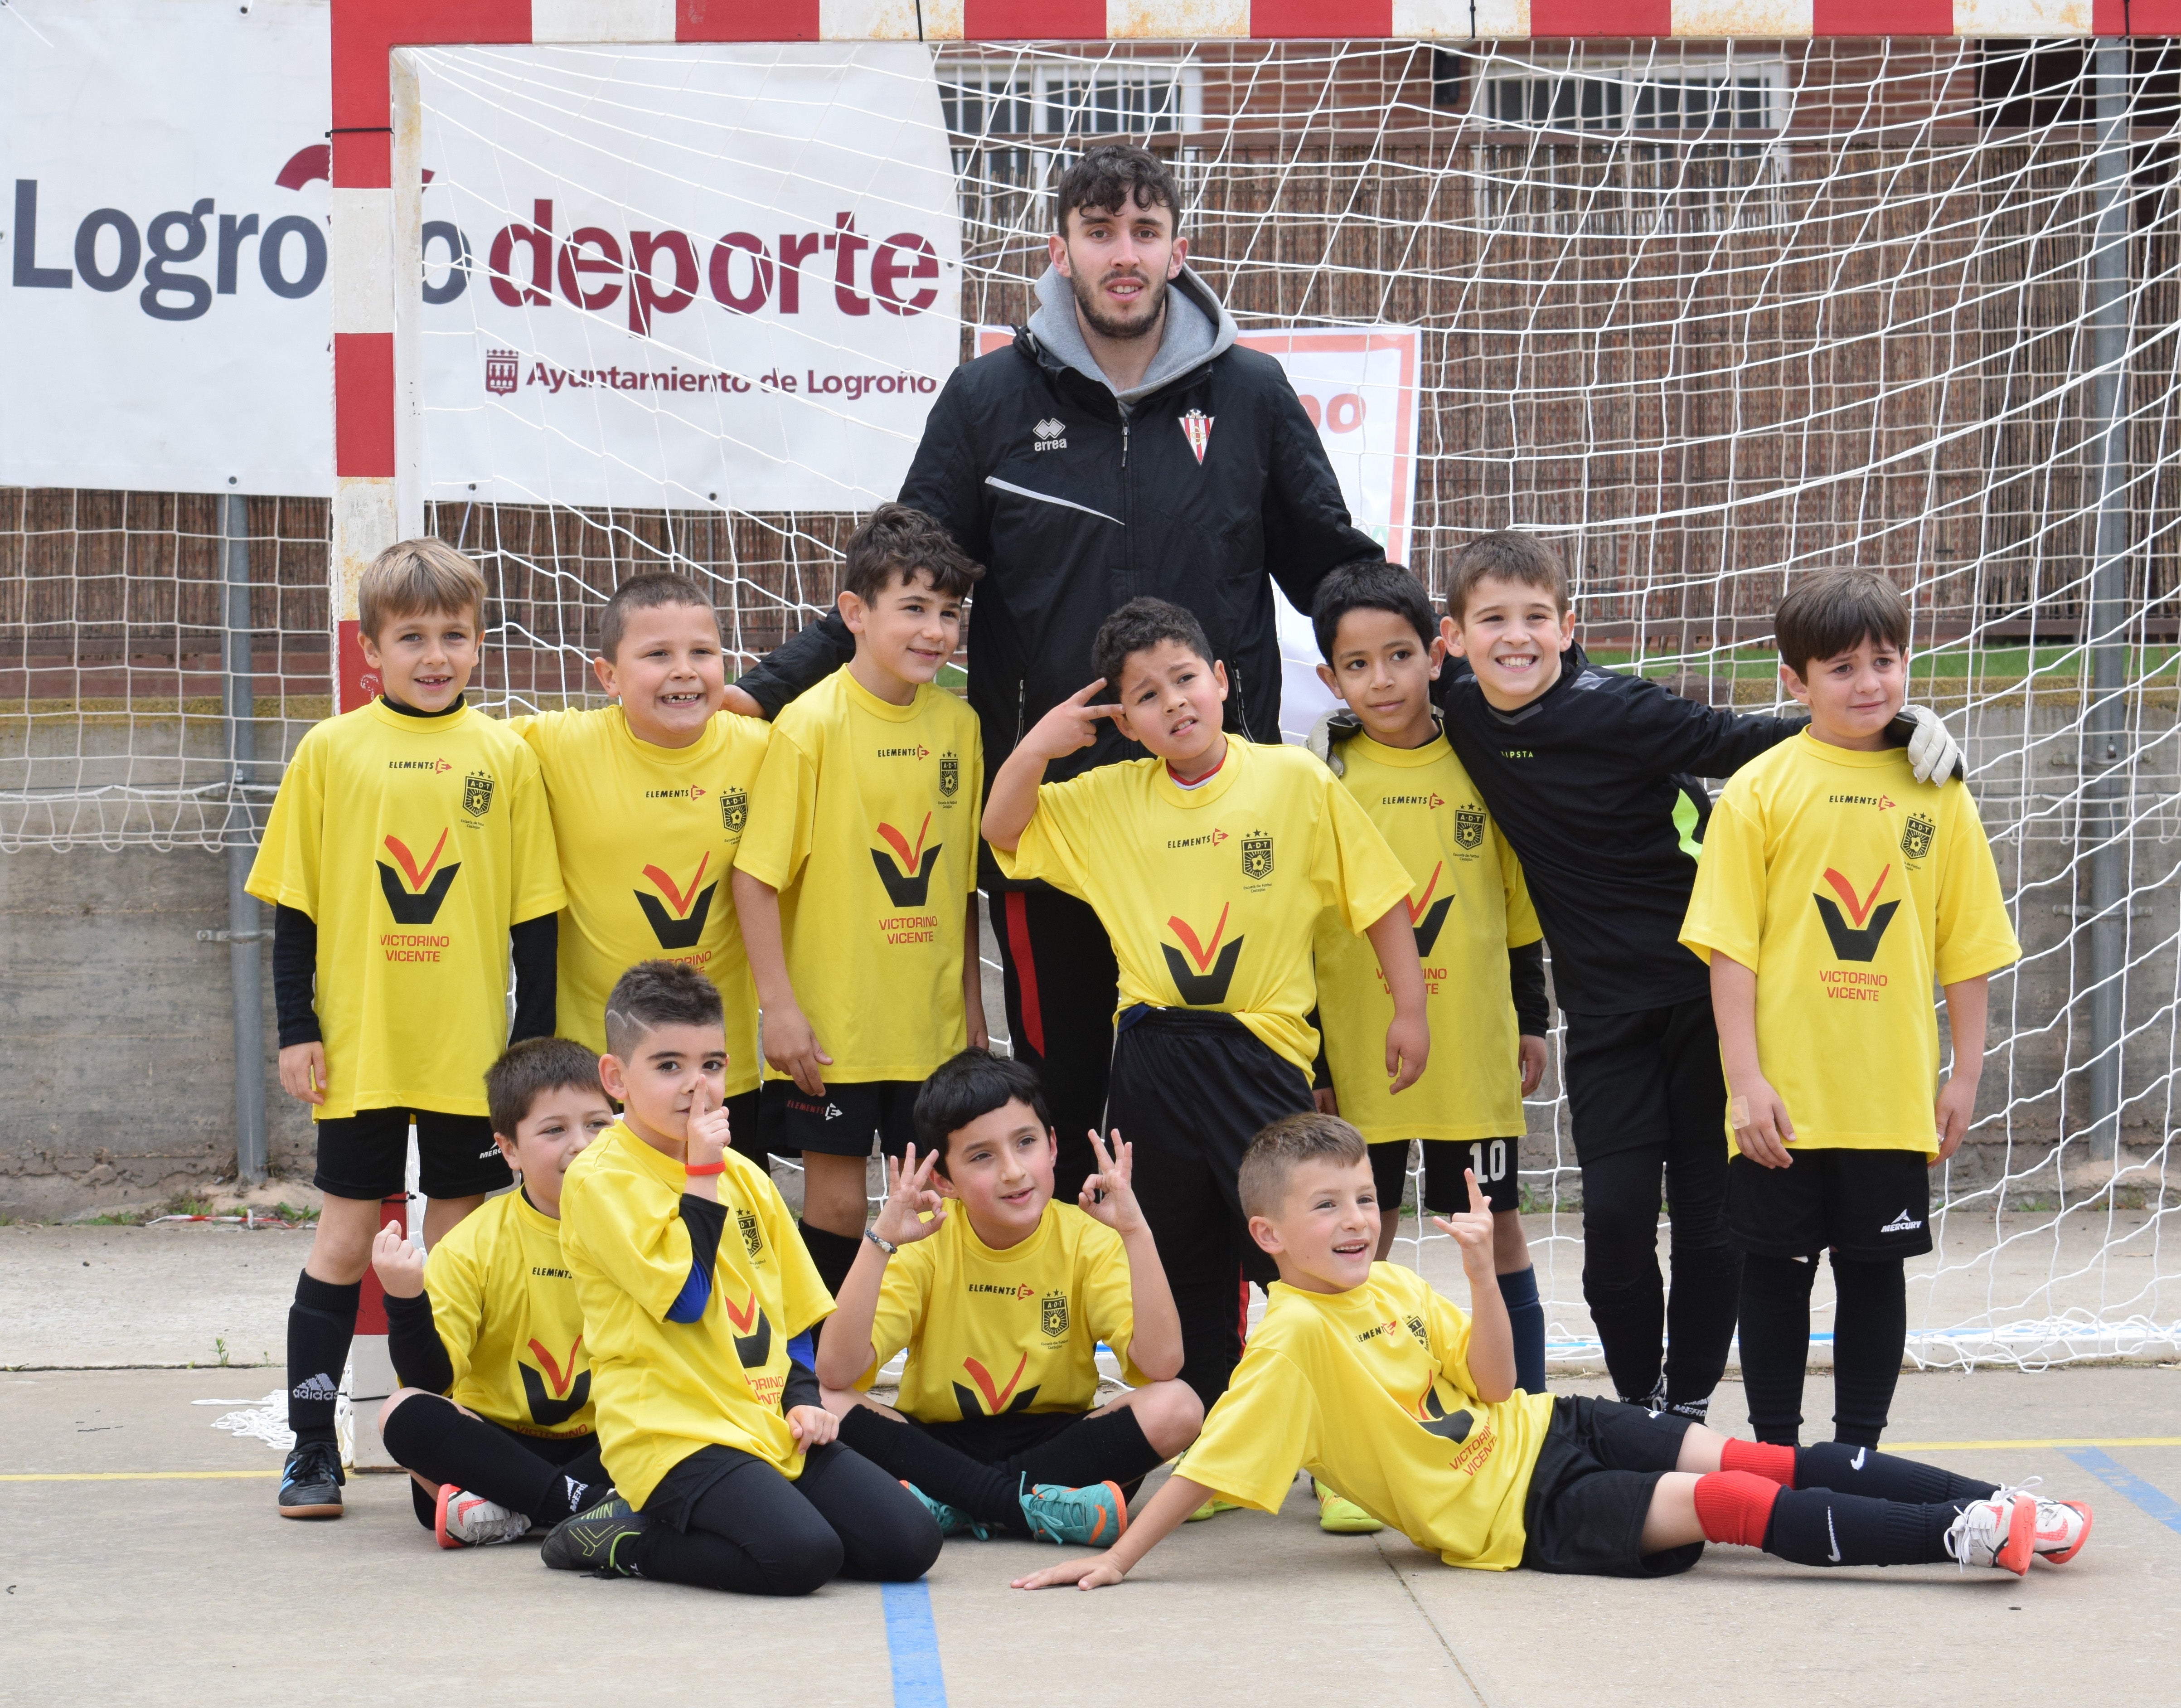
x: 1198, y: 328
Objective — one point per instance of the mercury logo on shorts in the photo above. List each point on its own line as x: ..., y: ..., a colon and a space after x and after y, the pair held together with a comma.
x: 1207, y: 985
x: 414, y: 894
x: 1902, y: 1224
x: 683, y: 927
x: 1859, y: 942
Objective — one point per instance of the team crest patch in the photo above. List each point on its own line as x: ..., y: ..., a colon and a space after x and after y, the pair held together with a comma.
x: 950, y: 775
x: 1196, y: 428
x: 734, y: 810
x: 1416, y: 1325
x: 1053, y: 1315
x: 1256, y: 857
x: 1916, y: 837
x: 1469, y: 826
x: 477, y: 794
x: 753, y: 1239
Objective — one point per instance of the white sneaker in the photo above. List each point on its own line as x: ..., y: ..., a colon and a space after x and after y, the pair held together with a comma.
x: 2062, y: 1526
x: 465, y: 1520
x: 1999, y: 1532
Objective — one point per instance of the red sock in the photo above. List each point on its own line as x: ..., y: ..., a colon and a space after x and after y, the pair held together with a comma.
x: 1736, y: 1506
x: 1762, y: 1458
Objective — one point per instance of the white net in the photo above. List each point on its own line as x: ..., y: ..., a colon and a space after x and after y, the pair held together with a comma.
x: 1708, y: 315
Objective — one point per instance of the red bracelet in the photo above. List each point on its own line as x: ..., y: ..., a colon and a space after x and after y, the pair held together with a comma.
x: 718, y: 1168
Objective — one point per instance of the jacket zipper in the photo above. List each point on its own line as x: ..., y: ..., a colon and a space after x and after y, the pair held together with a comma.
x: 1022, y: 695
x: 1242, y: 706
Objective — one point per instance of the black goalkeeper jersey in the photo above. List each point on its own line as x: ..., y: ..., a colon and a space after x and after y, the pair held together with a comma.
x: 1596, y: 785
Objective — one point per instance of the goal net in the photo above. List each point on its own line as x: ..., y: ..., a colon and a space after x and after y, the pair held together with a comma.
x: 1708, y: 316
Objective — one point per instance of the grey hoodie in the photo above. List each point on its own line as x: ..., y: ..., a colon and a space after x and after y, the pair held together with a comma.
x: 1198, y: 327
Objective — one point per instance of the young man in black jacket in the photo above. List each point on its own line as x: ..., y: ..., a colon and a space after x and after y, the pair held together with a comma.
x: 1124, y: 444
x: 1594, y: 778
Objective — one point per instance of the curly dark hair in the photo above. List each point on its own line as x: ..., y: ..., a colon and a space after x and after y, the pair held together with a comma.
x: 896, y: 543
x: 1110, y: 178
x: 1138, y: 627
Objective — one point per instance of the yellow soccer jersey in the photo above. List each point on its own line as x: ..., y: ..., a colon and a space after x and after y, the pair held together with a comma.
x: 1370, y: 1391
x: 1848, y: 887
x: 991, y: 1332
x: 1211, y: 895
x: 864, y: 819
x: 647, y: 837
x: 505, y: 1309
x: 414, y: 843
x: 1469, y: 906
x: 663, y: 1390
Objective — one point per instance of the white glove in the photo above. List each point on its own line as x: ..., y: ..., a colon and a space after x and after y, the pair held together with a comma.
x: 1934, y: 754
x: 1332, y: 728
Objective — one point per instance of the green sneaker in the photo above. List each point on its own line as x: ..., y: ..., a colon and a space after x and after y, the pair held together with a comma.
x: 952, y: 1521
x: 1337, y: 1516
x: 592, y: 1540
x: 1094, y: 1517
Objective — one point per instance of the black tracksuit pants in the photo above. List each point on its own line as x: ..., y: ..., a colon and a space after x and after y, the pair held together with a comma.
x: 1056, y: 966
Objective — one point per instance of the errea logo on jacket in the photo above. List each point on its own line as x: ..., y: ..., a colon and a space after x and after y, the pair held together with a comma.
x: 1052, y: 435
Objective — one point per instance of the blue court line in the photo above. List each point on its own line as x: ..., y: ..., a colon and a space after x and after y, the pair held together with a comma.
x: 2113, y: 1474
x: 913, y: 1646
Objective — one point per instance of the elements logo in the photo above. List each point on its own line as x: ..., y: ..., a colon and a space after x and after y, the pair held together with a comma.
x: 950, y: 775
x: 681, y: 929
x: 1916, y: 837
x: 571, y: 1389
x: 1427, y: 915
x: 477, y: 794
x: 997, y: 1400
x: 1469, y: 826
x: 907, y: 885
x: 1256, y: 857
x: 417, y: 902
x: 734, y: 810
x: 753, y: 1236
x: 1196, y: 428
x: 503, y: 371
x: 754, y: 1346
x: 1053, y: 1315
x: 1859, y: 942
x: 1215, y: 966
x: 1050, y: 435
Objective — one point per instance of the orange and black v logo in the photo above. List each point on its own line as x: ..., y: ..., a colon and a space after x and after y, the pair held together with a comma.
x: 1427, y: 915
x: 1433, y: 1414
x: 417, y: 901
x: 681, y: 928
x: 752, y: 1346
x: 997, y: 1400
x: 1203, y: 978
x: 909, y: 883
x: 572, y: 1388
x: 1858, y: 942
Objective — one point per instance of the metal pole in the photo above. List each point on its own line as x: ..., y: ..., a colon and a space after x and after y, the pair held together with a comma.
x: 2105, y: 634
x: 243, y: 914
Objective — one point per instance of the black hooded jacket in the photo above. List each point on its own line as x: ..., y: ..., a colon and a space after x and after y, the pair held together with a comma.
x: 1076, y: 504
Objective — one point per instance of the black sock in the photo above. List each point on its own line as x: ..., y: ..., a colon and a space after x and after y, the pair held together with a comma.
x: 1818, y: 1527
x: 1866, y: 1471
x: 427, y: 1435
x: 1776, y: 1344
x: 1110, y: 1448
x: 1870, y: 1328
x: 1526, y: 1315
x: 944, y: 1474
x: 321, y: 1324
x: 835, y: 1254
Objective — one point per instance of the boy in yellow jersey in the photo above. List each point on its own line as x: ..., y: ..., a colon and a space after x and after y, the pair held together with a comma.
x: 1471, y: 916
x: 857, y: 881
x: 1834, y: 888
x: 1383, y: 1388
x: 650, y: 797
x: 693, y: 1284
x: 409, y: 857
x: 1208, y: 864
x: 1002, y: 1297
x: 493, y: 1419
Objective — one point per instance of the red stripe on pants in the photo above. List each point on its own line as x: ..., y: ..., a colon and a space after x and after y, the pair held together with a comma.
x: 1242, y: 1307
x: 1033, y: 1019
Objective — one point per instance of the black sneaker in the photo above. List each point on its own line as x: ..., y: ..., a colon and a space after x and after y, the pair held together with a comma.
x: 1696, y: 1411
x: 589, y: 1541
x: 311, y: 1484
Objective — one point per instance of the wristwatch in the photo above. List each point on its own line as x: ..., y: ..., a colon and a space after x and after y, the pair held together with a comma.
x: 886, y: 1245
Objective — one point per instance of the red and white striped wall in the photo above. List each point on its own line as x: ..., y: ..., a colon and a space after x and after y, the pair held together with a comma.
x: 378, y: 496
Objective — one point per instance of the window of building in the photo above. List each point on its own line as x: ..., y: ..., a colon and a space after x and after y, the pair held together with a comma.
x: 1712, y: 94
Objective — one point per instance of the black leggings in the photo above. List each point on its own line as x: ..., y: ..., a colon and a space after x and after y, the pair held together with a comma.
x: 1870, y: 1328
x: 548, y: 1476
x: 724, y: 1520
x: 982, y: 1464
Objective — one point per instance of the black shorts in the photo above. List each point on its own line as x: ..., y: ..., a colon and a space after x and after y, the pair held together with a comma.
x: 1646, y: 1079
x: 995, y: 1440
x: 1494, y: 1161
x: 1590, y: 1490
x: 366, y: 1155
x: 1869, y: 1206
x: 844, y: 1121
x: 747, y: 1127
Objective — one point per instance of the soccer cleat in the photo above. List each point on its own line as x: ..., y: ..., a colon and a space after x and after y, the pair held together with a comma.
x: 2062, y: 1526
x: 465, y: 1520
x: 1339, y: 1515
x: 2000, y: 1532
x: 953, y: 1521
x: 1212, y: 1509
x: 310, y: 1483
x: 1094, y: 1517
x: 592, y: 1540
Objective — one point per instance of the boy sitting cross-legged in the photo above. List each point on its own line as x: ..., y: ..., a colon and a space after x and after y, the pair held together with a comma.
x: 1209, y: 863
x: 693, y: 1284
x: 492, y: 1421
x: 1384, y: 1388
x: 1002, y: 1297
